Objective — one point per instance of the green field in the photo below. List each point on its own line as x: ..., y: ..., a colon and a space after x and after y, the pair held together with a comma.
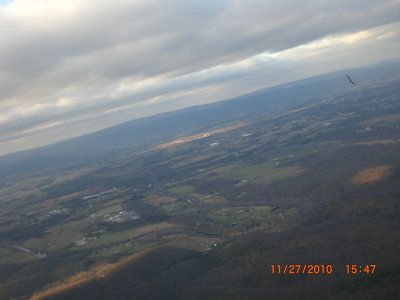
x: 259, y: 174
x: 14, y: 256
x: 177, y: 208
x: 248, y: 215
x: 109, y: 210
x: 124, y: 235
x: 108, y: 239
x: 182, y: 189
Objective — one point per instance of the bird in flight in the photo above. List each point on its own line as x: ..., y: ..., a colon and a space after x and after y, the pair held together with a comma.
x: 351, y: 81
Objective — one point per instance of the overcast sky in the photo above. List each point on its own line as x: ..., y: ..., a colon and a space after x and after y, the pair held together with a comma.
x: 69, y: 67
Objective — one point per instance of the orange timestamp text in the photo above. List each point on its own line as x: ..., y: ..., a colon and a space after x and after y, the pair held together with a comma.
x: 295, y: 269
x: 321, y: 269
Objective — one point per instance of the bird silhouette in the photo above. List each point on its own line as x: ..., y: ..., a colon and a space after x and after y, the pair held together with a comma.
x: 351, y: 81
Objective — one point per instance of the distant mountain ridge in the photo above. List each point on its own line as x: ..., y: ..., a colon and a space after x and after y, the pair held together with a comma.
x: 141, y: 133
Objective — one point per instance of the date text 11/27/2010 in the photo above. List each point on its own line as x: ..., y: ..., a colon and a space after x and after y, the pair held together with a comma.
x: 320, y: 269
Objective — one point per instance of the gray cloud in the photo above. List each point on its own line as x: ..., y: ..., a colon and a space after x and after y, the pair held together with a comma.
x: 68, y: 61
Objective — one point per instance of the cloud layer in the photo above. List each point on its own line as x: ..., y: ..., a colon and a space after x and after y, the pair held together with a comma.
x: 70, y: 67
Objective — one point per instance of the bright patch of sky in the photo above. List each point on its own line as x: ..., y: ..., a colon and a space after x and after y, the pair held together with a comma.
x: 4, y: 2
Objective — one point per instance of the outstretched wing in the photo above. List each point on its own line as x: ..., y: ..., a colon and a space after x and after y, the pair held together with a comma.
x: 351, y: 81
